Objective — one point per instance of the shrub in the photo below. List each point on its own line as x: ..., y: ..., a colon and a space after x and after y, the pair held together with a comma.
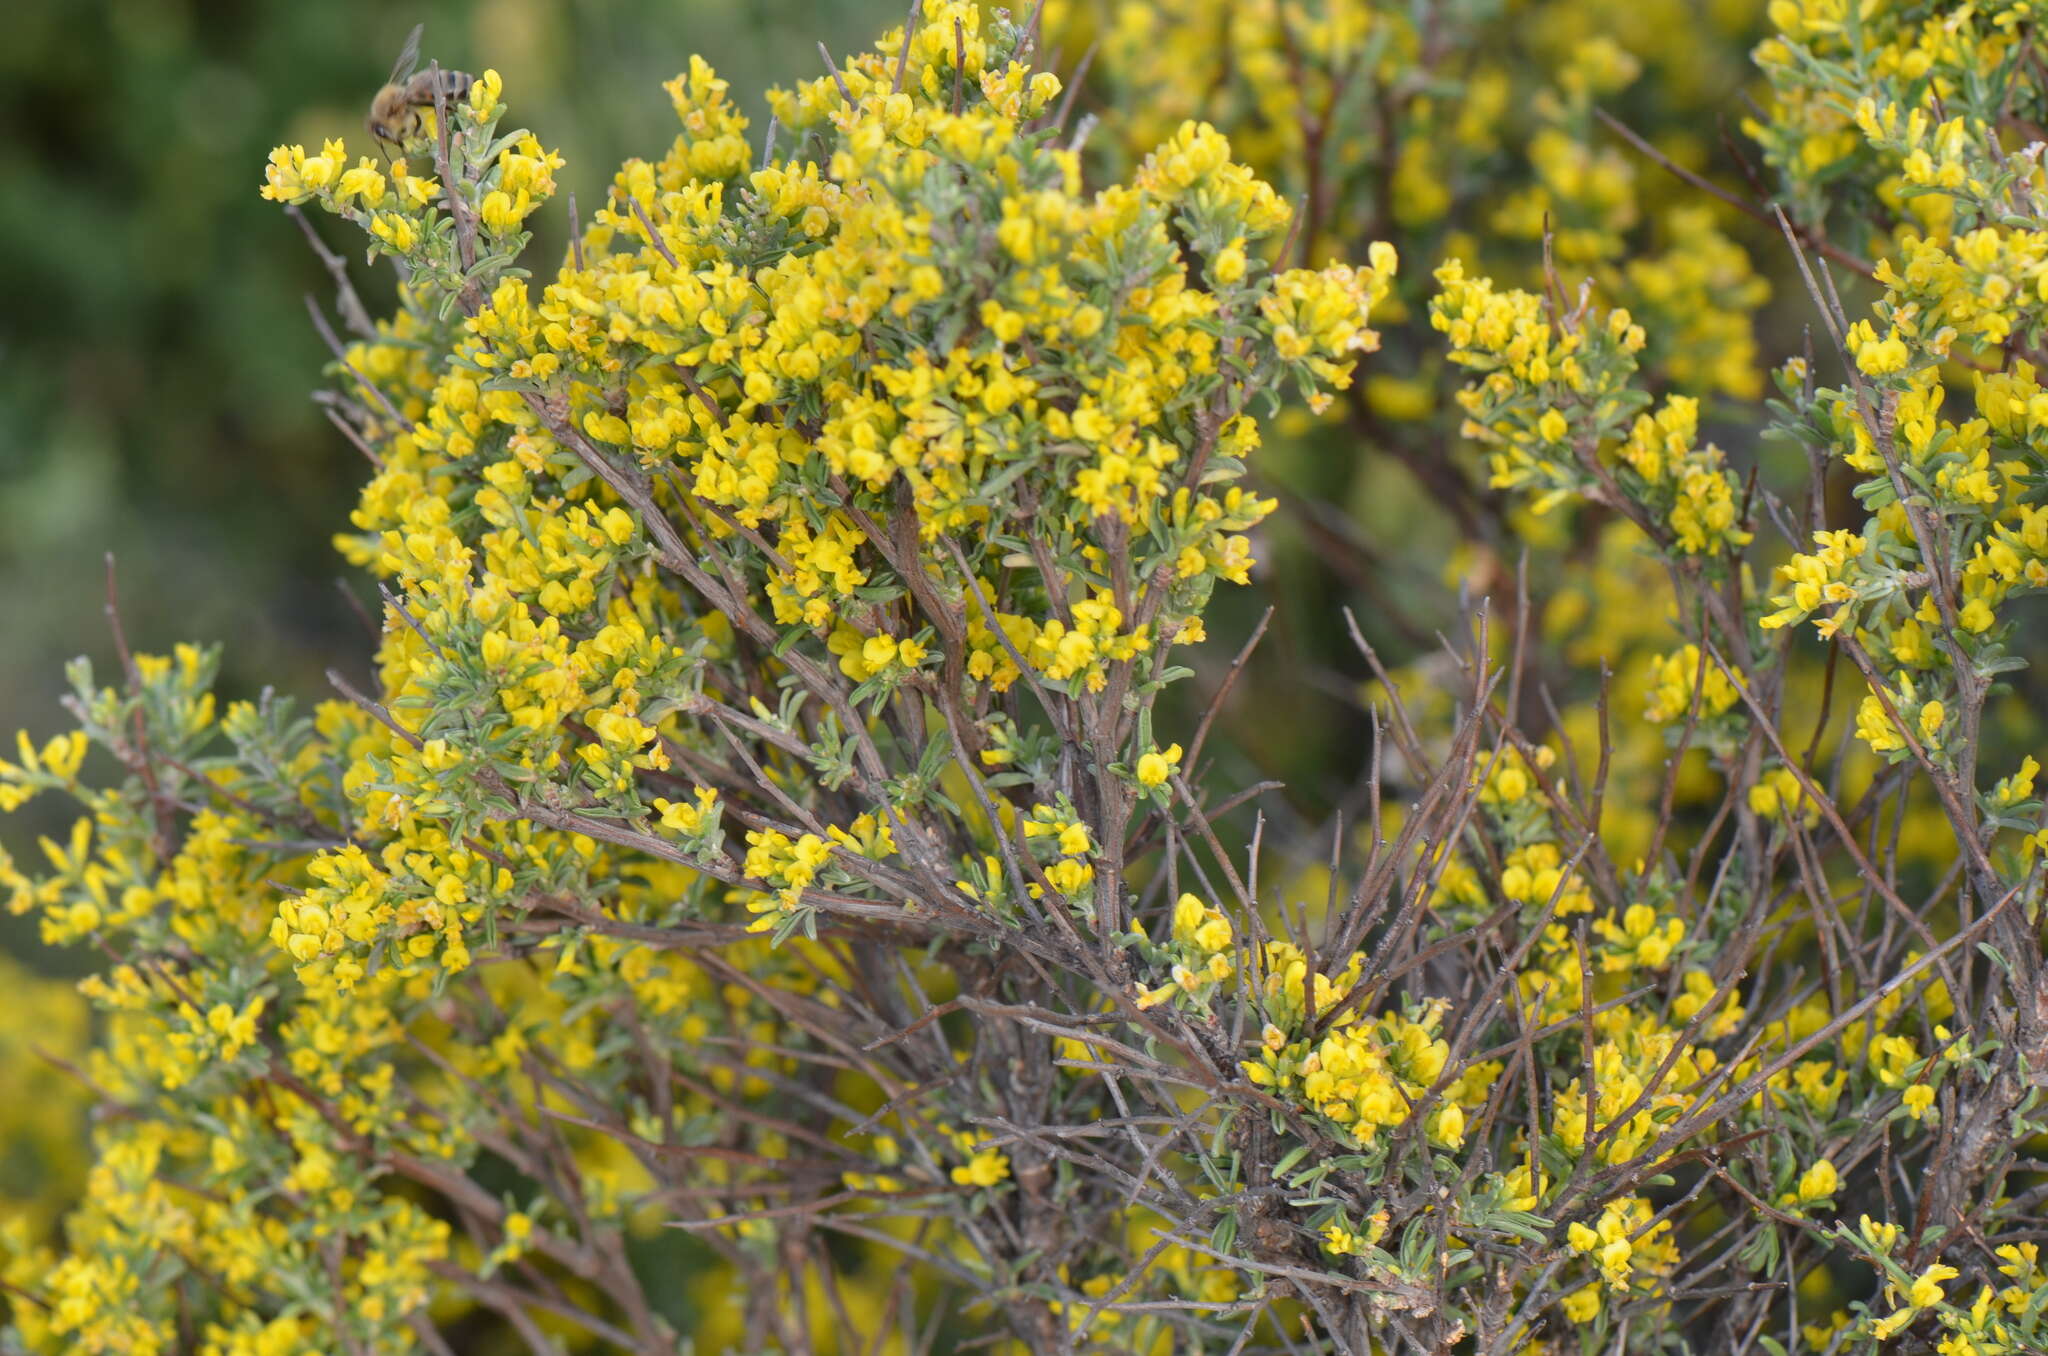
x: 772, y: 894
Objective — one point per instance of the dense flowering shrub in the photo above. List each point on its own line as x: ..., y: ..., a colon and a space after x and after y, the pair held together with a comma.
x: 770, y: 894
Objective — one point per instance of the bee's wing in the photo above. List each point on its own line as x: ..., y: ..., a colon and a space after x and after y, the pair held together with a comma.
x: 408, y: 56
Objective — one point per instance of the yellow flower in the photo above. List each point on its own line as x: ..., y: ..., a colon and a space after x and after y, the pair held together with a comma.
x: 1931, y: 717
x: 1155, y: 767
x: 1229, y: 263
x: 986, y: 1168
x: 1818, y: 1182
x: 1926, y: 1287
x: 2019, y: 787
x: 485, y: 93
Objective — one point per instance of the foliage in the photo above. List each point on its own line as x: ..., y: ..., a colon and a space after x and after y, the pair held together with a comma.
x: 773, y: 895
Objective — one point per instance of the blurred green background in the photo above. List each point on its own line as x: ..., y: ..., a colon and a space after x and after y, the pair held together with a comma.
x: 155, y: 352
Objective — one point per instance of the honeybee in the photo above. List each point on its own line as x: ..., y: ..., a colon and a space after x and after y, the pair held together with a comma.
x: 396, y: 114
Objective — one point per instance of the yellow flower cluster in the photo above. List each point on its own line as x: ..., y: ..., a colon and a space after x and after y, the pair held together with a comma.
x: 1628, y: 1064
x: 1284, y: 82
x: 782, y: 357
x: 985, y: 1166
x: 1368, y: 1073
x: 1551, y: 402
x: 1625, y: 1239
x: 1201, y: 953
x: 1688, y: 685
x: 1952, y: 532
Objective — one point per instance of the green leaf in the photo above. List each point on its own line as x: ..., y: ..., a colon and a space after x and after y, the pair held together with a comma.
x: 1225, y: 1232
